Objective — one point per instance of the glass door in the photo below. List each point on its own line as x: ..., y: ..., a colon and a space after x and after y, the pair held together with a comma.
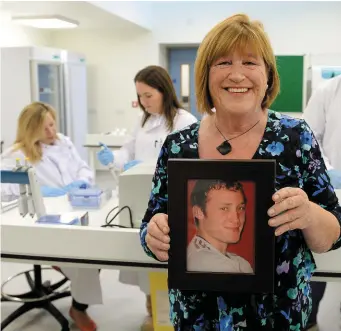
x: 47, y: 87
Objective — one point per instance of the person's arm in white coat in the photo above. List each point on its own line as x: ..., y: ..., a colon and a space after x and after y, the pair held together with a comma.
x: 84, y: 172
x: 315, y: 116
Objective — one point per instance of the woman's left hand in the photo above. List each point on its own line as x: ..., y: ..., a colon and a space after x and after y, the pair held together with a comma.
x: 292, y: 210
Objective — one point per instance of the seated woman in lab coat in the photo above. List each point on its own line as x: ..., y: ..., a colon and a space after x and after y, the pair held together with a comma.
x: 161, y: 114
x: 59, y: 168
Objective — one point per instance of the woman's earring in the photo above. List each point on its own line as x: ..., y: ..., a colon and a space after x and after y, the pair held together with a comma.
x: 267, y: 86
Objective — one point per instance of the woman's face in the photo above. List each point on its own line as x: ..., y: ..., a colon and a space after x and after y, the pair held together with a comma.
x: 238, y: 82
x: 150, y: 98
x: 49, y: 130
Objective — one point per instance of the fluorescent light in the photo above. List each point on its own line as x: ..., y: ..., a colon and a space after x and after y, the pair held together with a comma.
x: 46, y: 22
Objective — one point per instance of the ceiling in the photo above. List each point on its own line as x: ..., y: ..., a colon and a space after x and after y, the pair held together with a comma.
x: 88, y: 15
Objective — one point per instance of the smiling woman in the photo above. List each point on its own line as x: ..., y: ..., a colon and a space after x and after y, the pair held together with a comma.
x: 235, y: 73
x: 244, y: 46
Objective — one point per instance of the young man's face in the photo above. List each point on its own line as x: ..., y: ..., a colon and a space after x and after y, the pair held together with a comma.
x: 224, y: 216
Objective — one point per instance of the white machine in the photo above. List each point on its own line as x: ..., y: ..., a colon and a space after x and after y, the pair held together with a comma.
x: 54, y: 76
x: 134, y: 191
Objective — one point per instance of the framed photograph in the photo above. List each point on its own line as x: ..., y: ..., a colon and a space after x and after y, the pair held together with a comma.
x: 220, y: 239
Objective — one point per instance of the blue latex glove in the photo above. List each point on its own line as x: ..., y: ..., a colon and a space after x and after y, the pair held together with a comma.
x: 49, y: 192
x: 76, y: 185
x: 105, y: 155
x: 130, y: 164
x: 335, y: 178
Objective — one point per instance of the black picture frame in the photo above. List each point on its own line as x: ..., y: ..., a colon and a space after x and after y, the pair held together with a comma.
x: 262, y: 173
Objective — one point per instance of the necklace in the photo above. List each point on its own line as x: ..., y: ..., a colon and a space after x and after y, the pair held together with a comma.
x: 225, y: 147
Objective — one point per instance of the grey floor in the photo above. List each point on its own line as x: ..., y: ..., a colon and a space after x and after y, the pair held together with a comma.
x: 124, y: 305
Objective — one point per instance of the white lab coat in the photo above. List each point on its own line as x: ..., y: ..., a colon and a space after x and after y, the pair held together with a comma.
x: 60, y: 166
x: 323, y: 114
x: 146, y: 142
x: 145, y: 145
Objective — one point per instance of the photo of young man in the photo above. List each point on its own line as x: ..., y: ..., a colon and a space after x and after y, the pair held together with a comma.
x: 219, y: 212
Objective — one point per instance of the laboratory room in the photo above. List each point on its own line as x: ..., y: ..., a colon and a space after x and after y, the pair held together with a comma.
x: 96, y: 97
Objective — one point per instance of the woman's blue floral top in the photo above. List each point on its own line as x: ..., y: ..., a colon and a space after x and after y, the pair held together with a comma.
x: 299, y: 164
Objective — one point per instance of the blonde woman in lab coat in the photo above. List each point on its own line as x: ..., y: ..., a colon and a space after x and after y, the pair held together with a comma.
x: 161, y: 114
x: 58, y: 168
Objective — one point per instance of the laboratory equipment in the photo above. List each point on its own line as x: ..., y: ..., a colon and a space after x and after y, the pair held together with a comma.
x: 54, y: 76
x: 113, y: 172
x: 89, y: 198
x: 134, y: 191
x: 30, y: 200
x: 111, y: 165
x: 112, y: 140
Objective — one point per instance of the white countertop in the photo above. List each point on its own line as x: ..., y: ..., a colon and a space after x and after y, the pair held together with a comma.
x: 84, y: 245
x: 92, y: 246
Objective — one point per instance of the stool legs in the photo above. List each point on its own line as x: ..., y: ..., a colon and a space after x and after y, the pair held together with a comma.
x: 17, y: 313
x: 39, y: 301
x: 57, y: 315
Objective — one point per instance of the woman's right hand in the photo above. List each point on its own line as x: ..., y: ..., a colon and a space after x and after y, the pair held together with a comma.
x: 105, y: 155
x: 157, y: 237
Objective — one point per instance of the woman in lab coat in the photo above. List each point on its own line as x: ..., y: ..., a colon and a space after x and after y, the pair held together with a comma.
x: 323, y: 114
x: 58, y: 168
x: 161, y: 114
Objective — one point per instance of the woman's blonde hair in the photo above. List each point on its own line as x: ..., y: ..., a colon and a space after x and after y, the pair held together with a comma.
x: 30, y: 128
x: 238, y: 33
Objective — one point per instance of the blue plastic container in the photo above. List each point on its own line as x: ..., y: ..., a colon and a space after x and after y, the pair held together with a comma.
x: 86, y: 198
x: 58, y: 220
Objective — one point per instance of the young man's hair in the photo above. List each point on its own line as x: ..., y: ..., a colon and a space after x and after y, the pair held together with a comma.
x: 203, y: 186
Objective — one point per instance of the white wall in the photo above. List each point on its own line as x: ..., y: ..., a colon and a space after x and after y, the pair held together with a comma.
x: 293, y: 27
x: 115, y: 55
x: 15, y: 35
x: 113, y: 59
x: 138, y: 12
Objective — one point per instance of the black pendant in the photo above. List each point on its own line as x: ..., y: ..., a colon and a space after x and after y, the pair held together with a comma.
x: 224, y: 148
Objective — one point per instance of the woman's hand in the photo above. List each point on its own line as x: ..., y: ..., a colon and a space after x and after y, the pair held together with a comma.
x: 292, y: 210
x: 157, y: 237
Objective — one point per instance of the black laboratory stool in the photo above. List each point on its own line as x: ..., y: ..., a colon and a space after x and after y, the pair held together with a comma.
x: 40, y: 296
